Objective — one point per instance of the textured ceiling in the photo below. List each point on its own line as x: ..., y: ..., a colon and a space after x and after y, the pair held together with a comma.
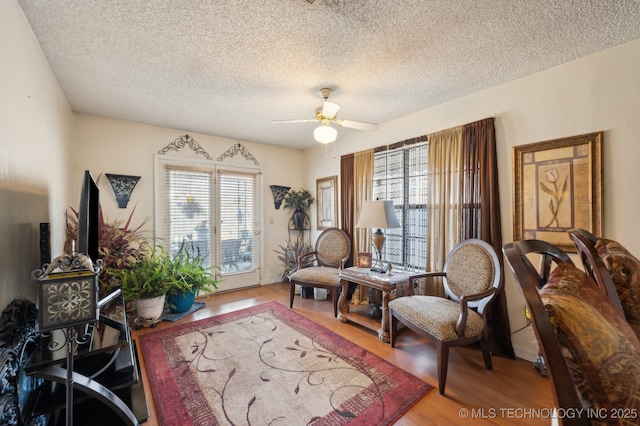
x: 229, y: 67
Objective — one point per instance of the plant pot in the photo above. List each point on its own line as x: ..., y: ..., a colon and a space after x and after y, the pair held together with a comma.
x: 298, y: 219
x: 181, y: 302
x: 150, y: 310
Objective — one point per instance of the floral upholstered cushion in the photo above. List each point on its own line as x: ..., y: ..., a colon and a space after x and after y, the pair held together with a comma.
x: 625, y: 272
x: 602, y: 351
x: 317, y: 275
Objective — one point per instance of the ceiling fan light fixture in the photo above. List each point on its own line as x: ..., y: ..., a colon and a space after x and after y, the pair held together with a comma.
x: 325, y: 133
x: 330, y: 109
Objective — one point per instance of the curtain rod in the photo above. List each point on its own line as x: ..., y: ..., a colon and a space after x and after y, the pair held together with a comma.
x: 423, y: 138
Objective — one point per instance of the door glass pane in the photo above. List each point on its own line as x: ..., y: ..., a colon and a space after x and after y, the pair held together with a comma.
x: 189, y: 212
x: 237, y: 221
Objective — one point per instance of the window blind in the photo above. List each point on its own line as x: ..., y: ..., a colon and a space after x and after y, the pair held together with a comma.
x: 188, y: 212
x: 400, y: 175
x: 238, y: 220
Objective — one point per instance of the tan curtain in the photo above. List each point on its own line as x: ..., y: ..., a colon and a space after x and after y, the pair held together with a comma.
x: 363, y: 182
x: 445, y: 195
x: 481, y: 216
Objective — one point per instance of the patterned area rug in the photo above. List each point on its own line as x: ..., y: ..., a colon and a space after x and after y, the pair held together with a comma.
x: 268, y: 365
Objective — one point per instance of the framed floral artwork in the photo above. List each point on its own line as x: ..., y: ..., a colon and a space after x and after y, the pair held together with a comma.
x: 326, y: 190
x: 557, y: 186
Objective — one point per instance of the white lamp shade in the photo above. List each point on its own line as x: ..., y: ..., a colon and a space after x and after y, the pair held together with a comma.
x: 378, y: 214
x: 330, y: 109
x: 325, y: 133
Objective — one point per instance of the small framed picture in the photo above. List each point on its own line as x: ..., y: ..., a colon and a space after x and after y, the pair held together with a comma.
x: 363, y: 260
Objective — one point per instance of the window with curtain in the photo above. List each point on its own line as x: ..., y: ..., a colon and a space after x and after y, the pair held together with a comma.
x: 400, y: 175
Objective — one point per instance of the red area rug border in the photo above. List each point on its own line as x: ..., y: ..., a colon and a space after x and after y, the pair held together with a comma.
x: 161, y: 376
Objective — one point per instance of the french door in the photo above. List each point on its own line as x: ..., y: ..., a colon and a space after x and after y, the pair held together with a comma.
x: 213, y: 210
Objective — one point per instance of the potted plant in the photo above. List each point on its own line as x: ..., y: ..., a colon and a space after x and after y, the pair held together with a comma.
x: 288, y: 256
x: 191, y: 207
x: 299, y: 201
x: 190, y: 278
x: 147, y: 282
x: 120, y: 244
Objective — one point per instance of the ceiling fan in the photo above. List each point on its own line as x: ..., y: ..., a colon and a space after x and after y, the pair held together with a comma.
x: 327, y: 115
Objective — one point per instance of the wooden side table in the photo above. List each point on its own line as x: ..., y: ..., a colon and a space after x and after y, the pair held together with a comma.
x: 360, y: 314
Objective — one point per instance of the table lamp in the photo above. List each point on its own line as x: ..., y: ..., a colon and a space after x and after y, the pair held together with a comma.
x: 378, y: 214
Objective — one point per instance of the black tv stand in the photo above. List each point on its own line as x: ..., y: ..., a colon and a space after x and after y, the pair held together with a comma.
x: 108, y: 389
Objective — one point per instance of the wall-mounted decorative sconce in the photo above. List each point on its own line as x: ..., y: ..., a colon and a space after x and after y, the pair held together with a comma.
x: 123, y: 187
x: 278, y: 194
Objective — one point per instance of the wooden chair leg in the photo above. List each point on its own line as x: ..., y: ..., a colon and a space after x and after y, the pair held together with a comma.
x: 393, y: 325
x: 334, y: 299
x: 486, y: 349
x: 443, y: 363
x: 292, y: 293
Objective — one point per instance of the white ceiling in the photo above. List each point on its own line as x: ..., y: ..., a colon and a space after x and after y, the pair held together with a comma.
x: 229, y: 67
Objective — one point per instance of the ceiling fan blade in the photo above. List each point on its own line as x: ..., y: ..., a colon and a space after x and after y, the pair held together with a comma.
x: 330, y: 109
x: 309, y: 120
x: 357, y: 125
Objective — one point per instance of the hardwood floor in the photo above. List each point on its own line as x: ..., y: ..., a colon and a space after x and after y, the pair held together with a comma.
x: 512, y: 393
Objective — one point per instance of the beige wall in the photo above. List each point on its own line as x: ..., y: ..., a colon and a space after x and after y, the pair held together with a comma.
x: 37, y: 127
x: 39, y: 168
x: 596, y: 93
x: 104, y: 145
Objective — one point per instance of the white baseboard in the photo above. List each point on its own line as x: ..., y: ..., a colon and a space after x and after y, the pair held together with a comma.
x: 525, y: 352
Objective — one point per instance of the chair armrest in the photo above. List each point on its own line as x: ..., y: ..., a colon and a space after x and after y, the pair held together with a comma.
x: 428, y: 275
x: 343, y: 262
x: 478, y: 296
x: 302, y: 256
x: 415, y: 277
x: 464, y: 311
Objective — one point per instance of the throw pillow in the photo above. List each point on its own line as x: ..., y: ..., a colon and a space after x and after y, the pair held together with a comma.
x: 602, y: 351
x: 625, y: 273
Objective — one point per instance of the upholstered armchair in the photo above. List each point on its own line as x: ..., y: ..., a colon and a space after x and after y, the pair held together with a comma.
x: 591, y: 354
x: 472, y: 278
x: 332, y: 250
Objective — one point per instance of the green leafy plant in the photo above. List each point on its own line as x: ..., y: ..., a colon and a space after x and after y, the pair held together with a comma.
x: 150, y: 276
x: 190, y: 273
x: 288, y: 256
x: 120, y: 244
x: 298, y: 200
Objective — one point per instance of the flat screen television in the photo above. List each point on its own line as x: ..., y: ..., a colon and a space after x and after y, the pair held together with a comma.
x: 88, y: 217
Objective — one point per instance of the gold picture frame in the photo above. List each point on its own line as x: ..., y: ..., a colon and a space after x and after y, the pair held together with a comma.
x: 327, y: 206
x: 557, y: 186
x: 364, y: 260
